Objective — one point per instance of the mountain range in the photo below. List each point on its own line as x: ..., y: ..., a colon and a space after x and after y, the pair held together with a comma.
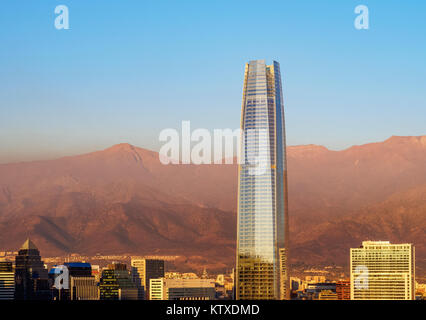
x: 124, y: 200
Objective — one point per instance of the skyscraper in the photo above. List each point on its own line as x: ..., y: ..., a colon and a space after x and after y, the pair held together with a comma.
x: 262, y: 244
x: 31, y: 277
x: 116, y: 283
x: 108, y: 287
x: 143, y: 270
x: 382, y: 271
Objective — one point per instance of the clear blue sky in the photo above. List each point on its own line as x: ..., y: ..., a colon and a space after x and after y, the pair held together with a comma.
x: 128, y: 69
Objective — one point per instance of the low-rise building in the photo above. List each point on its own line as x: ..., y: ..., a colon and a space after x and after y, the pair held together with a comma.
x: 182, y: 289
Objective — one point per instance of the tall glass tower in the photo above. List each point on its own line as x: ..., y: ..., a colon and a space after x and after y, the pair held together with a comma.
x: 262, y: 241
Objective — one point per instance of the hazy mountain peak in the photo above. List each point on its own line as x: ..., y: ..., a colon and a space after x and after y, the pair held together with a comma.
x: 309, y: 150
x: 308, y: 147
x: 121, y: 147
x: 126, y: 152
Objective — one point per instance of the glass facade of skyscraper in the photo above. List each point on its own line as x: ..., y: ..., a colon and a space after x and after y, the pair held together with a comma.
x: 262, y: 271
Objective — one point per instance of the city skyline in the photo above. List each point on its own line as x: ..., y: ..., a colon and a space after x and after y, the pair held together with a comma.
x: 328, y: 115
x: 379, y: 271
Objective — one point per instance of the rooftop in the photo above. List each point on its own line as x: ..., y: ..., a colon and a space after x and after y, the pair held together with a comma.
x: 28, y: 245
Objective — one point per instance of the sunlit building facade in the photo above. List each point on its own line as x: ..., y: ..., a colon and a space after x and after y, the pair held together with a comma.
x: 343, y: 290
x: 84, y: 288
x: 182, y: 289
x: 262, y: 244
x: 143, y: 270
x: 382, y: 271
x: 7, y: 280
x: 327, y: 295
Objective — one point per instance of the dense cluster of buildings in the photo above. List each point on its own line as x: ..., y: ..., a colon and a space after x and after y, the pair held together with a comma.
x: 379, y: 270
x: 319, y: 288
x: 28, y: 278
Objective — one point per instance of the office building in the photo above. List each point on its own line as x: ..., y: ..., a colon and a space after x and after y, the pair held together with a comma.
x: 31, y: 276
x: 327, y: 295
x: 108, y: 287
x: 73, y: 269
x: 143, y: 270
x: 182, y: 289
x: 7, y: 280
x: 382, y: 271
x: 84, y: 288
x: 79, y: 269
x: 116, y: 284
x: 343, y: 290
x: 262, y: 239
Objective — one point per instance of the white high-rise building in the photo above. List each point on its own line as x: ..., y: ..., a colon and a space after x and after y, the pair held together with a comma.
x: 383, y: 271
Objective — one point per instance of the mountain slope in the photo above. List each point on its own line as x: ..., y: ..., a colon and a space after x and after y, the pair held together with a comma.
x: 401, y: 218
x: 123, y: 200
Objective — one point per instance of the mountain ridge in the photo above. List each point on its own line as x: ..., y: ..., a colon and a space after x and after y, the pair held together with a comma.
x: 122, y: 199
